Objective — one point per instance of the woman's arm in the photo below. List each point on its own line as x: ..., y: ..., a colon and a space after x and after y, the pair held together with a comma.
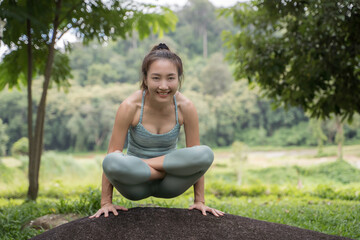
x: 123, y: 119
x: 192, y: 138
x: 122, y: 122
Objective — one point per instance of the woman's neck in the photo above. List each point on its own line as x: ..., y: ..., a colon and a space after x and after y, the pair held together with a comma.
x: 156, y: 105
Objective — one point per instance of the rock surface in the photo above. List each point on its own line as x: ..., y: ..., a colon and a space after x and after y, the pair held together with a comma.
x: 172, y: 223
x: 51, y: 220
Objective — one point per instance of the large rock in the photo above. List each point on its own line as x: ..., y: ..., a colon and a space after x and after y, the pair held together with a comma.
x: 51, y: 220
x: 172, y: 223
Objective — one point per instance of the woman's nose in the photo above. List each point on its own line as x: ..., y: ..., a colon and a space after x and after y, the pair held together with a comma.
x: 163, y: 85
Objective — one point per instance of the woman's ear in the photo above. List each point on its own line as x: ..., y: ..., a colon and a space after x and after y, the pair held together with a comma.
x: 145, y: 81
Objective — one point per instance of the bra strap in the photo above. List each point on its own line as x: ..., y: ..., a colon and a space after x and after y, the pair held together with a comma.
x: 142, y: 106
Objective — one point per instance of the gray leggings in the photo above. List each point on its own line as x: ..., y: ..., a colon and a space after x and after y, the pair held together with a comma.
x: 184, y: 167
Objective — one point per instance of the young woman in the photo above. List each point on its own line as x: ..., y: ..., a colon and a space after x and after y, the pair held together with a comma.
x: 152, y: 117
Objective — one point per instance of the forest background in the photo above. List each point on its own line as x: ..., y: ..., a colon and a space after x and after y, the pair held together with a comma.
x: 81, y: 117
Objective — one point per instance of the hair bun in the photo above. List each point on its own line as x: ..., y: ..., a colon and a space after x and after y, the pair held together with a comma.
x: 162, y: 46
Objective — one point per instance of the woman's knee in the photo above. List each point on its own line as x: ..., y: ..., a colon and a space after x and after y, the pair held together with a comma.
x: 126, y: 169
x: 204, y: 155
x: 113, y: 164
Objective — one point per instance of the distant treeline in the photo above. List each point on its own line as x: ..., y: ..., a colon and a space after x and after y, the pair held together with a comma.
x: 82, y: 119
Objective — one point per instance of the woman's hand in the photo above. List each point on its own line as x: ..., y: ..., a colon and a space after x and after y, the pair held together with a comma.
x: 201, y: 206
x: 109, y: 207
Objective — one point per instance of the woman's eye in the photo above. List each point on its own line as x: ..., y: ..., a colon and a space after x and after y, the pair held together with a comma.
x: 155, y: 78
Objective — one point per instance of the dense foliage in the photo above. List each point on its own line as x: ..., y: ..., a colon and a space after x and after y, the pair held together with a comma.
x: 300, y: 53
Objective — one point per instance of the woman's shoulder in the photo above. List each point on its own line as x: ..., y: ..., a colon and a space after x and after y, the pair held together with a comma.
x: 184, y: 104
x: 132, y: 102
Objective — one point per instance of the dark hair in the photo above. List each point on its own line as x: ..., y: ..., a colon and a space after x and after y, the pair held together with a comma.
x: 160, y: 51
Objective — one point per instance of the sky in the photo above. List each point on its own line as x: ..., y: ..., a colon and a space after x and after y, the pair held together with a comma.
x: 216, y: 3
x: 171, y: 3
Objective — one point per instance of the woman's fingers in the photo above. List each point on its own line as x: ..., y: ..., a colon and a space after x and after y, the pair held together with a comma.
x: 219, y: 212
x: 204, y: 211
x: 114, y: 211
x: 107, y: 209
x: 97, y: 214
x: 116, y: 207
x: 106, y: 213
x: 121, y: 208
x: 214, y: 212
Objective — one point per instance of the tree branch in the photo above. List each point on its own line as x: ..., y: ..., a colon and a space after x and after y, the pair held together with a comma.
x: 63, y: 32
x: 70, y: 11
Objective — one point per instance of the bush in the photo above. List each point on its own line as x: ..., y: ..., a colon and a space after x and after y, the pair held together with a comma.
x: 274, y: 175
x: 87, y: 204
x: 295, y: 136
x: 7, y: 174
x: 252, y: 136
x: 338, y: 171
x: 329, y: 192
x: 224, y: 189
x: 54, y: 165
x: 20, y: 147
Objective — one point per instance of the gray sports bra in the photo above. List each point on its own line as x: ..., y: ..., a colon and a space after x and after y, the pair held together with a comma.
x: 144, y: 144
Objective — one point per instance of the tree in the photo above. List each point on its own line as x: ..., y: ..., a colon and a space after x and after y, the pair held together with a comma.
x: 3, y: 139
x: 301, y: 53
x: 216, y: 76
x: 318, y: 133
x: 339, y: 138
x: 238, y: 159
x: 201, y: 12
x: 20, y: 147
x: 35, y: 27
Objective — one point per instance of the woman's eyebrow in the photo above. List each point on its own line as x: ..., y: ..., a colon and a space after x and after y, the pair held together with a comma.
x: 158, y: 74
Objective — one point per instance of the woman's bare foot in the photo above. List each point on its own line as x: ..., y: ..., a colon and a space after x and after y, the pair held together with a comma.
x: 155, y: 163
x: 156, y: 174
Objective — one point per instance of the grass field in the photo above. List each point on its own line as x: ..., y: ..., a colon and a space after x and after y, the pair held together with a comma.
x: 291, y: 186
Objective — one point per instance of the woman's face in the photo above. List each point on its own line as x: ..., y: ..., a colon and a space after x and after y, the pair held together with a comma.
x: 162, y: 79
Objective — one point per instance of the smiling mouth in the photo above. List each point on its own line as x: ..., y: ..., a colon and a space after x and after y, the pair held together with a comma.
x: 163, y: 93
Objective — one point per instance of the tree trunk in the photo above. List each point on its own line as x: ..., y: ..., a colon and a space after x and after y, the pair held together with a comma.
x: 205, y: 52
x: 134, y: 40
x: 37, y: 145
x: 29, y: 99
x: 100, y: 140
x: 339, y: 137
